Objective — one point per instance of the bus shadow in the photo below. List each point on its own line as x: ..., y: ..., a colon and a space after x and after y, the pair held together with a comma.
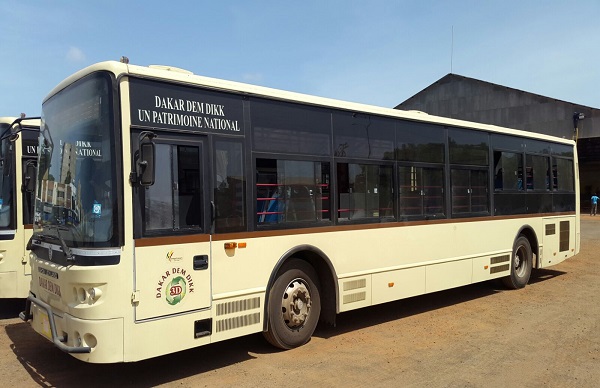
x: 387, y: 312
x: 391, y: 311
x: 49, y: 366
x: 10, y: 308
x: 540, y: 275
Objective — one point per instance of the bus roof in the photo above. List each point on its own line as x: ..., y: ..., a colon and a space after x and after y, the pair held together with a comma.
x: 168, y: 73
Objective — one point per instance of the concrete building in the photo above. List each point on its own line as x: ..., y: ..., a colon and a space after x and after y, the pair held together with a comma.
x: 470, y: 99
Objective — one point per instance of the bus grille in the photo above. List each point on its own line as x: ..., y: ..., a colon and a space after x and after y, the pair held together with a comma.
x: 354, y: 284
x: 237, y: 322
x: 238, y: 305
x: 351, y: 298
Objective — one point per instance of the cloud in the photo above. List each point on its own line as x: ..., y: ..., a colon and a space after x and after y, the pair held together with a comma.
x: 75, y: 55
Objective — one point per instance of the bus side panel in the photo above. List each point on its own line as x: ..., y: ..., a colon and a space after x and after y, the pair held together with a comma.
x: 559, y: 240
x: 153, y: 338
x: 8, y: 284
x: 394, y: 285
x: 355, y: 293
x: 235, y: 316
x: 15, y: 271
x: 448, y: 275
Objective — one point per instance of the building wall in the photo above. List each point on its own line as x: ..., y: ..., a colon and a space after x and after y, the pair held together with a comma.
x: 470, y: 99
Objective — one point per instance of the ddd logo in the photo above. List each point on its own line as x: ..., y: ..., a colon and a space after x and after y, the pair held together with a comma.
x: 175, y: 290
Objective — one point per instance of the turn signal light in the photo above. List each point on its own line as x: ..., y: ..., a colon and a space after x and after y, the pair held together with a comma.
x: 230, y: 245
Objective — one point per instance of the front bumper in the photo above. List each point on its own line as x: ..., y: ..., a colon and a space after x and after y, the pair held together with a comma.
x: 47, y: 325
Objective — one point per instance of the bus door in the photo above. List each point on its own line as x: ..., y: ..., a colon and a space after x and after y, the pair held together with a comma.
x: 29, y: 155
x: 28, y: 166
x: 26, y: 212
x: 172, y: 245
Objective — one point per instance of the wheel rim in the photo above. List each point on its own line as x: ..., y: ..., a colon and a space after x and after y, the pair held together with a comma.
x: 295, y: 304
x: 520, y: 262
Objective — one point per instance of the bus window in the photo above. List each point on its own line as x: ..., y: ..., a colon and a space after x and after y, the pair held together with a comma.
x: 418, y: 142
x: 469, y: 191
x: 508, y: 170
x: 284, y: 127
x: 230, y: 187
x: 365, y: 191
x: 563, y: 174
x: 173, y: 203
x: 7, y: 181
x: 291, y: 191
x: 538, y: 173
x: 363, y: 136
x: 468, y: 147
x: 421, y: 192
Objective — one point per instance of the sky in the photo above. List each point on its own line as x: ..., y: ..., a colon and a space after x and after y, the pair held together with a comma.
x: 375, y: 52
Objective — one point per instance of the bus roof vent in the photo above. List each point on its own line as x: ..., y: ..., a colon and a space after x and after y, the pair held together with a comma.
x: 170, y: 68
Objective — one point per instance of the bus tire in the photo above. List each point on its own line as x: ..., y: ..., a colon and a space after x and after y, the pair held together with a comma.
x: 521, y: 266
x: 294, y: 305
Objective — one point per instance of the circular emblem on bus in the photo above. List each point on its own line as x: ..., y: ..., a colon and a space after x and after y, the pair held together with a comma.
x: 175, y: 290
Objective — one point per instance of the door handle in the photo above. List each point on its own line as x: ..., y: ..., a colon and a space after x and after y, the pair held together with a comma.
x: 200, y: 262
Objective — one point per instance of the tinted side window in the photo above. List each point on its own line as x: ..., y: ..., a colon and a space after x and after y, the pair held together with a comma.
x: 290, y: 128
x: 363, y: 136
x: 562, y: 150
x: 563, y: 174
x: 417, y: 142
x: 468, y: 147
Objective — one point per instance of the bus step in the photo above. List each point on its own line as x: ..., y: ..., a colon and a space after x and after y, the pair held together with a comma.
x: 202, y: 328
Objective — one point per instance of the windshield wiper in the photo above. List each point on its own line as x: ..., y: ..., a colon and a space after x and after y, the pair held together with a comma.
x: 63, y: 244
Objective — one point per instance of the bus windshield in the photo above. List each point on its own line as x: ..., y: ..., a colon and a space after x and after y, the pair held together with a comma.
x: 74, y: 193
x: 6, y: 179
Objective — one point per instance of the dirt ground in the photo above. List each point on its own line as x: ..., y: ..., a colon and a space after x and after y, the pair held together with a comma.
x: 546, y: 335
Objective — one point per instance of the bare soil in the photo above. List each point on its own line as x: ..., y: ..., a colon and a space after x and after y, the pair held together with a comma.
x: 546, y: 335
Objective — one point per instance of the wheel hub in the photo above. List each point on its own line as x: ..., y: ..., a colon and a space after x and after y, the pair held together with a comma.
x: 295, y: 304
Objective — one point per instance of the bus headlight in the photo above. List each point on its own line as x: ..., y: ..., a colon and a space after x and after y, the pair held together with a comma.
x: 87, y: 294
x: 94, y: 294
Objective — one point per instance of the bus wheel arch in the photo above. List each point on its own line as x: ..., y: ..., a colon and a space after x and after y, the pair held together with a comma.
x: 528, y: 232
x: 303, y: 265
x: 522, y: 258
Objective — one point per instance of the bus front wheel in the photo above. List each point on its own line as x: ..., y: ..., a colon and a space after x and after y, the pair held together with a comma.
x: 294, y: 305
x: 522, y: 263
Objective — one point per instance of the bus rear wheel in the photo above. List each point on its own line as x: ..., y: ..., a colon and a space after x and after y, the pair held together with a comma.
x: 521, y: 266
x: 294, y: 305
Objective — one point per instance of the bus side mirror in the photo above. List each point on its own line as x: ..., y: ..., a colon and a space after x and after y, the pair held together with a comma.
x: 146, y: 165
x: 29, y: 177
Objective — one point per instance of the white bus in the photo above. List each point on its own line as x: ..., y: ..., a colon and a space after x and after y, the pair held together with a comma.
x: 18, y: 158
x: 174, y: 210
